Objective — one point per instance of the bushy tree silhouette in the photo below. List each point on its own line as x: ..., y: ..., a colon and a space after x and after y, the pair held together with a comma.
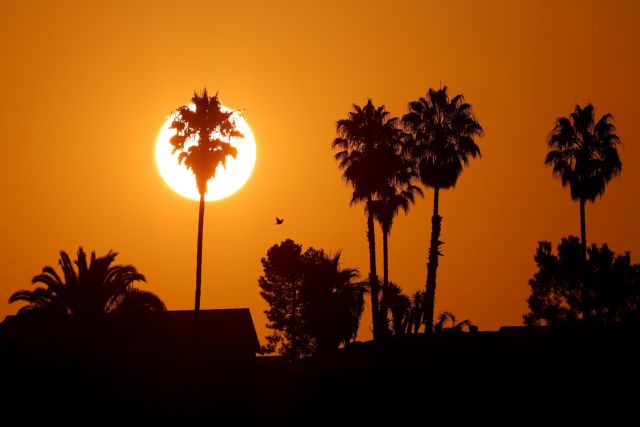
x: 314, y: 304
x: 202, y: 139
x: 444, y: 132
x: 557, y: 288
x: 280, y: 286
x: 332, y: 302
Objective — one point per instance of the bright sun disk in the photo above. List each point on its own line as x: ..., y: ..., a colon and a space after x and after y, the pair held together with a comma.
x: 227, y: 179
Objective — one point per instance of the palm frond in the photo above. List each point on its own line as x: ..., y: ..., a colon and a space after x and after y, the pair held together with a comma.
x: 583, y: 153
x: 203, y: 135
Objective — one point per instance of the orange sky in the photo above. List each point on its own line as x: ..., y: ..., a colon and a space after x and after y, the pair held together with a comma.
x: 86, y: 88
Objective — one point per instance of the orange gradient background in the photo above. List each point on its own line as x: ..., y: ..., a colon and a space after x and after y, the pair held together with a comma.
x: 86, y: 88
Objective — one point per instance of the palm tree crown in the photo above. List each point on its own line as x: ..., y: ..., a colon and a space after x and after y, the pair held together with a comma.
x: 203, y: 132
x: 583, y: 152
x: 443, y: 136
x: 95, y: 289
x: 455, y: 325
x: 364, y: 149
x: 398, y: 195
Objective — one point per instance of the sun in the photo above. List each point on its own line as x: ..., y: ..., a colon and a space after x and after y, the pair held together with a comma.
x: 226, y: 181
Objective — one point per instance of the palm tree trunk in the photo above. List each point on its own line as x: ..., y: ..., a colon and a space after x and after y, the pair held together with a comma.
x: 199, y: 253
x: 586, y: 295
x: 293, y: 349
x: 385, y: 281
x: 432, y: 264
x: 373, y: 275
x: 583, y: 230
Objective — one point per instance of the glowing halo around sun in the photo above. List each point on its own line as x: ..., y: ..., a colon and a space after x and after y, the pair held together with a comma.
x: 227, y: 180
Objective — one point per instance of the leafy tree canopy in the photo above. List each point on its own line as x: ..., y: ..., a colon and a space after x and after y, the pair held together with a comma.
x: 314, y: 303
x: 557, y: 288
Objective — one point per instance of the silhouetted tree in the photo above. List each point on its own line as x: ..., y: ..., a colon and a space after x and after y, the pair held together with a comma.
x: 416, y: 312
x: 367, y: 156
x: 202, y: 139
x: 444, y: 133
x: 456, y: 326
x: 314, y: 303
x: 584, y: 156
x: 280, y: 286
x: 399, y: 194
x: 88, y: 292
x: 557, y: 288
x: 332, y: 301
x: 400, y: 306
x: 352, y: 297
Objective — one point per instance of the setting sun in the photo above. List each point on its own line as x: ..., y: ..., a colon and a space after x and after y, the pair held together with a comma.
x: 227, y: 180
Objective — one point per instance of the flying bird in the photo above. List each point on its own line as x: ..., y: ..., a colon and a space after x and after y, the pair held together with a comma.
x: 279, y: 221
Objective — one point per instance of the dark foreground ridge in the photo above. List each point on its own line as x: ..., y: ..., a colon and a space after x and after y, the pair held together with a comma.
x: 154, y: 375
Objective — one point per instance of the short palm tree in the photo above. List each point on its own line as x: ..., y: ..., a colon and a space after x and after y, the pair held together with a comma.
x: 456, y: 326
x: 332, y: 301
x: 352, y: 300
x: 584, y: 156
x: 400, y: 306
x: 367, y: 159
x: 416, y: 312
x: 444, y: 132
x: 202, y: 139
x: 89, y: 290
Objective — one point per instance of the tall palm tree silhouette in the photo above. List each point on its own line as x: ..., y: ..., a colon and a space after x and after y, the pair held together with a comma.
x: 584, y: 155
x: 444, y: 133
x: 202, y: 139
x: 367, y: 160
x: 398, y: 194
x: 95, y: 289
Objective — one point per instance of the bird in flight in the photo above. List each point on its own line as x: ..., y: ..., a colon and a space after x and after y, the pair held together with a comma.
x: 279, y: 221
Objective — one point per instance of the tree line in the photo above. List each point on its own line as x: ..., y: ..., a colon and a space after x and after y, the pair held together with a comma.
x: 315, y: 303
x: 385, y: 159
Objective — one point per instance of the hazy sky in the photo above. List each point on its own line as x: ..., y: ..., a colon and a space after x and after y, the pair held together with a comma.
x: 86, y: 87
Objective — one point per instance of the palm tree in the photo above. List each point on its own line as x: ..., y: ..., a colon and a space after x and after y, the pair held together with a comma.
x: 89, y: 291
x: 416, y: 312
x: 368, y: 160
x: 455, y: 326
x: 332, y: 302
x: 202, y: 139
x: 352, y: 299
x: 400, y: 306
x: 398, y: 195
x: 584, y: 156
x: 444, y: 133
